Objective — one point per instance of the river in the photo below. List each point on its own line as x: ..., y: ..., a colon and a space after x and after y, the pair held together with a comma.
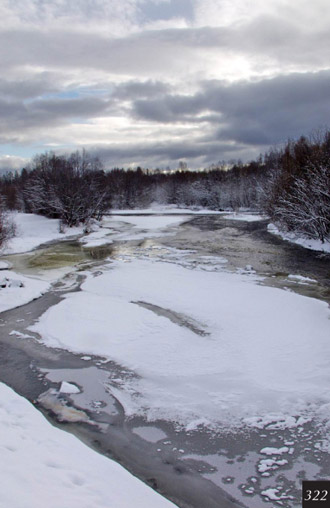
x: 201, y: 469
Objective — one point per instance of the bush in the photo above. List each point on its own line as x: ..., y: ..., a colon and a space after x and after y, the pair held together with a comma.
x: 298, y: 188
x: 7, y: 227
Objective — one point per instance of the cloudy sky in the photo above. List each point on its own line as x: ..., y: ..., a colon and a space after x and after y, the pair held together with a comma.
x: 153, y: 82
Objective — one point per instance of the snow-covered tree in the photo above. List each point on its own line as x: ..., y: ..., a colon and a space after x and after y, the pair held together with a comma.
x: 297, y: 192
x: 71, y: 188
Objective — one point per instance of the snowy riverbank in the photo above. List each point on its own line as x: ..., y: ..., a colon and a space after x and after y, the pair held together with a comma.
x: 308, y: 243
x: 33, y: 230
x: 44, y: 466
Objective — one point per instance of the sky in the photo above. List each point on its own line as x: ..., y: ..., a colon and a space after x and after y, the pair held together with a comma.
x: 156, y: 82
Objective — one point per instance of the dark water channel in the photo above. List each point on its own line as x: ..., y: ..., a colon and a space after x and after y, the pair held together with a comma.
x: 196, y: 469
x: 249, y: 243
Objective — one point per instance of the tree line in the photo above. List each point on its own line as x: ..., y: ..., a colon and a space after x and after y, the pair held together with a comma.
x: 291, y: 184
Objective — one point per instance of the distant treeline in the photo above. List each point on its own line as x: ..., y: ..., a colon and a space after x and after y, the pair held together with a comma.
x: 291, y: 184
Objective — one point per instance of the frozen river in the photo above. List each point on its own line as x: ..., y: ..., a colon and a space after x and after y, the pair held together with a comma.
x: 199, y: 349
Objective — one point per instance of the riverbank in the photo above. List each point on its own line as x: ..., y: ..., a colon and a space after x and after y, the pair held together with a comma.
x: 44, y: 466
x: 307, y: 243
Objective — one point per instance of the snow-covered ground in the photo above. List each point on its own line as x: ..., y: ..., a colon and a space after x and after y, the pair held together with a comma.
x: 144, y: 226
x: 244, y: 216
x: 42, y: 466
x: 308, y: 243
x: 33, y: 230
x: 209, y: 348
x: 157, y: 208
x: 19, y: 289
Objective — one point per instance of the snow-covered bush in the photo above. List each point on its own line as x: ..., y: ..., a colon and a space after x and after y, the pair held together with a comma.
x: 298, y: 188
x: 7, y: 226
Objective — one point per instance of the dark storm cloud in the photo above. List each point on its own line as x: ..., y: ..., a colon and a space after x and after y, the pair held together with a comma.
x: 171, y: 108
x: 165, y: 152
x: 255, y: 113
x: 271, y: 110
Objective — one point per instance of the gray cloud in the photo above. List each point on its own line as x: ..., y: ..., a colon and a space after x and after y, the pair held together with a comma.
x: 272, y: 110
x: 272, y: 38
x: 249, y: 115
x: 139, y: 54
x: 93, y: 69
x: 254, y: 113
x: 170, y: 108
x: 166, y: 152
x: 18, y: 116
x: 283, y: 39
x: 28, y: 87
x: 68, y: 108
x: 137, y: 89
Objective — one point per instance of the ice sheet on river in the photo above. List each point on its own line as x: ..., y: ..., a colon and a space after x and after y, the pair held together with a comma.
x: 264, y: 356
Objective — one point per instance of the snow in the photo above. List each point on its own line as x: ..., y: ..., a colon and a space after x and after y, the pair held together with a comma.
x: 15, y: 296
x: 68, y: 388
x: 44, y: 466
x: 300, y: 279
x: 21, y: 335
x: 96, y: 238
x: 151, y: 434
x: 157, y: 208
x: 263, y: 354
x: 276, y: 421
x: 4, y: 265
x: 33, y: 230
x: 274, y: 451
x: 138, y: 227
x: 271, y: 494
x: 205, y: 348
x: 243, y: 216
x: 308, y: 243
x: 275, y: 494
x: 270, y: 464
x: 151, y: 222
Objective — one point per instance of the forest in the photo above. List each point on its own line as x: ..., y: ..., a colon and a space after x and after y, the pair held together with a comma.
x: 290, y: 184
